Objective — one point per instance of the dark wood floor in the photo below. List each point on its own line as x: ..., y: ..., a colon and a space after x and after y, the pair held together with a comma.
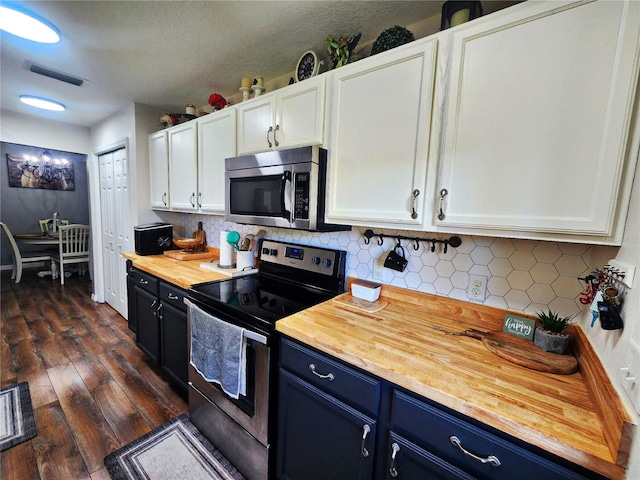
x: 92, y: 389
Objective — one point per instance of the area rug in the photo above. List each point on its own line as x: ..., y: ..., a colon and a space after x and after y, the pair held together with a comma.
x: 16, y: 416
x: 175, y: 450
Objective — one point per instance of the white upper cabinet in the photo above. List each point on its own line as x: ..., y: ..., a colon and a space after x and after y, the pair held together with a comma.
x: 536, y: 140
x: 216, y: 142
x: 291, y: 117
x: 183, y: 167
x: 159, y: 170
x: 379, y: 138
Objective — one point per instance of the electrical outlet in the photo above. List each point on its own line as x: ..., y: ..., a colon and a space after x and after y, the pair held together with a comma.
x: 378, y: 269
x: 477, y: 288
x: 631, y: 375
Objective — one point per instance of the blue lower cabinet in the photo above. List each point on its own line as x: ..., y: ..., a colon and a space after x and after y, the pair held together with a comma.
x: 338, y: 422
x: 320, y: 437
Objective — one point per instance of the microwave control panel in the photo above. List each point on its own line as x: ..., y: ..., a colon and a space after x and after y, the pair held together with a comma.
x: 301, y: 199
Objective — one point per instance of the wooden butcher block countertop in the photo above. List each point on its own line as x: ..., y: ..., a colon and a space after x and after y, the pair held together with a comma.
x: 182, y: 273
x: 578, y: 417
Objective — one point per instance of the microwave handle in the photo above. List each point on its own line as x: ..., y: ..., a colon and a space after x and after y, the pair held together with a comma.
x: 286, y: 177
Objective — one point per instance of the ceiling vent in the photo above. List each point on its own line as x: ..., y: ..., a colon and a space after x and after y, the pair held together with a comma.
x: 55, y: 74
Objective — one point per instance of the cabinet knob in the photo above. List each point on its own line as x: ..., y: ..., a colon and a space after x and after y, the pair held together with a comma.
x: 395, y: 448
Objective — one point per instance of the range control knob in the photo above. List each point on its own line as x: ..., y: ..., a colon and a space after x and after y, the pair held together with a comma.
x: 315, y: 260
x: 265, y: 251
x: 273, y: 252
x: 326, y: 262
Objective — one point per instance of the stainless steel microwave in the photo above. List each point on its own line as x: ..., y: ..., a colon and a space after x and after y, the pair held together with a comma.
x: 283, y: 188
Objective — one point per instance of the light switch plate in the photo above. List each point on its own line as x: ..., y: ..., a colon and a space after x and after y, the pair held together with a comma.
x: 631, y: 375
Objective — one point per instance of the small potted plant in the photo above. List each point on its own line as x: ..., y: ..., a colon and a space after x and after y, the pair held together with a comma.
x: 341, y: 50
x: 550, y: 335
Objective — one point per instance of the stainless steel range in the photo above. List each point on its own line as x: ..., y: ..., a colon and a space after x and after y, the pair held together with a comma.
x: 290, y: 278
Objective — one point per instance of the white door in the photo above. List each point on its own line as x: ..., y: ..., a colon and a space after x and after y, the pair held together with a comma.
x: 116, y: 226
x: 538, y: 119
x: 378, y: 150
x: 216, y: 142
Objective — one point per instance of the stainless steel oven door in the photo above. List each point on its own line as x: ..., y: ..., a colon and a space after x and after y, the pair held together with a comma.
x: 251, y: 412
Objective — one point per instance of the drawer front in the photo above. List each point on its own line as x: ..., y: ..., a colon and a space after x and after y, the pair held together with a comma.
x: 132, y: 271
x: 329, y: 375
x: 147, y: 282
x: 434, y: 431
x: 173, y: 295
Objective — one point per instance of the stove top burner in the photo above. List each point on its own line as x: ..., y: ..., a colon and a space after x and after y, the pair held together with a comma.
x: 291, y: 278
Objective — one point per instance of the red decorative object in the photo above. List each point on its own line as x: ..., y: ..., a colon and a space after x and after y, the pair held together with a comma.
x: 217, y: 101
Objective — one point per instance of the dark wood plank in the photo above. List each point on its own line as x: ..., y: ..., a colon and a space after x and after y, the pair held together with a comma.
x: 123, y: 418
x: 30, y: 369
x: 45, y: 325
x: 57, y: 455
x: 19, y: 462
x: 91, y: 371
x: 152, y: 405
x: 93, y: 435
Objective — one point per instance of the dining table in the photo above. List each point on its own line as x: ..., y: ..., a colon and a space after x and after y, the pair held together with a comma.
x: 42, y: 239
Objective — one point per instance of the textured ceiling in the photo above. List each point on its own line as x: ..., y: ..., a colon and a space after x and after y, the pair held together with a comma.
x: 167, y: 54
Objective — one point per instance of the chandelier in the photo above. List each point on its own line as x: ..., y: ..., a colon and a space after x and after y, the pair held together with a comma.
x: 46, y: 168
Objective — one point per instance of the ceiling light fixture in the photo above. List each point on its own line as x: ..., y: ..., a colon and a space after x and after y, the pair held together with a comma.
x: 43, y: 103
x: 22, y: 23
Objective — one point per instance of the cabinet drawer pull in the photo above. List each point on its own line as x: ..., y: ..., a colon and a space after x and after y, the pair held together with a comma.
x: 366, y: 429
x: 268, y: 132
x: 328, y: 376
x: 172, y: 296
x: 275, y: 138
x: 164, y: 198
x: 192, y: 199
x: 144, y: 282
x: 492, y: 459
x: 200, y: 200
x: 414, y: 200
x: 443, y: 193
x: 395, y: 448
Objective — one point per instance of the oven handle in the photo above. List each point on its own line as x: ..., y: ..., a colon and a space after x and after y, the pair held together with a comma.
x: 249, y: 334
x: 255, y: 336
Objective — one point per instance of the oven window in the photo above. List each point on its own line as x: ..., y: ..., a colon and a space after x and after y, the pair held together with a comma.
x: 261, y: 196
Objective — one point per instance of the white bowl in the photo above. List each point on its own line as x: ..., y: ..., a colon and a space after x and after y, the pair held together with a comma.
x: 366, y: 290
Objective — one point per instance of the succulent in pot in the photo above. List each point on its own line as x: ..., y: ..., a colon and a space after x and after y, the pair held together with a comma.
x: 550, y: 334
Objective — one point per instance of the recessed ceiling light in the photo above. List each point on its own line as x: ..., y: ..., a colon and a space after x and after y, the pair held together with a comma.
x: 43, y: 103
x: 21, y: 22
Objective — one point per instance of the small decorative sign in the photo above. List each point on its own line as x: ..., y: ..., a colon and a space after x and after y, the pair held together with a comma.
x: 519, y: 326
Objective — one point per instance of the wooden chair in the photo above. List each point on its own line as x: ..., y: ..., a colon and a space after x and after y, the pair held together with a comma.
x: 46, y: 225
x: 73, y: 248
x: 20, y: 258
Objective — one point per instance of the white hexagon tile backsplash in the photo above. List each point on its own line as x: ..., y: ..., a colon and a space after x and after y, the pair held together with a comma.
x: 522, y: 275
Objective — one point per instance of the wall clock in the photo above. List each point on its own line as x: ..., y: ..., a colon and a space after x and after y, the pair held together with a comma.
x: 308, y: 66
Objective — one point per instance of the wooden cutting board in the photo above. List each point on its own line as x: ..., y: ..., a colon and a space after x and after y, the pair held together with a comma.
x: 523, y: 352
x: 186, y: 255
